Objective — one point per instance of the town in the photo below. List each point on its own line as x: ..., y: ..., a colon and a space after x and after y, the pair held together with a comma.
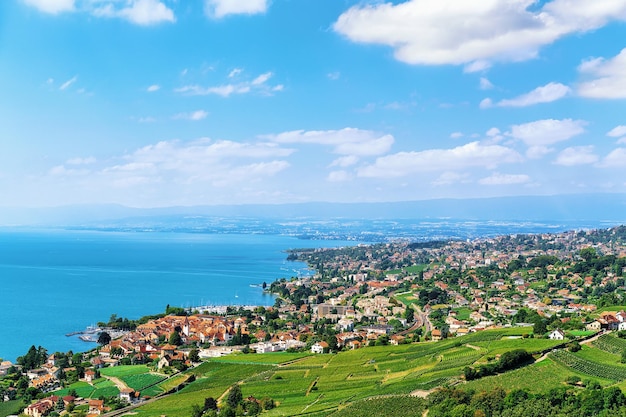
x: 551, y: 285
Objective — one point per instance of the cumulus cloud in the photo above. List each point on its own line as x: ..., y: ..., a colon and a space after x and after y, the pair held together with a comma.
x: 504, y: 179
x: 222, y: 8
x: 450, y: 177
x: 339, y: 176
x: 576, y: 155
x: 259, y: 84
x: 547, y: 132
x: 615, y: 159
x: 81, y: 161
x: 195, y: 116
x: 472, y: 32
x: 217, y: 162
x: 485, y: 84
x: 153, y: 88
x: 617, y: 131
x: 345, y: 161
x: 347, y: 141
x: 606, y: 78
x: 545, y: 94
x: 140, y: 12
x: 51, y: 6
x: 472, y: 154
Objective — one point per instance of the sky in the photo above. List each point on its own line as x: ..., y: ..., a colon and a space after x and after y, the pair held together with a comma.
x: 153, y: 103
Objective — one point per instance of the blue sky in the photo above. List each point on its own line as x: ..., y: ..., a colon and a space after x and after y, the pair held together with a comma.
x: 168, y: 102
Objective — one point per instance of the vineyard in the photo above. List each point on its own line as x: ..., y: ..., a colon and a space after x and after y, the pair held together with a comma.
x: 588, y: 367
x: 396, y: 405
x: 610, y: 344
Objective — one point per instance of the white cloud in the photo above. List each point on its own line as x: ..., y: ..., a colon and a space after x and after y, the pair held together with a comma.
x: 52, y: 6
x: 450, y: 177
x: 235, y: 72
x: 547, y: 132
x: 153, y: 88
x: 339, y: 176
x: 148, y: 119
x: 621, y: 141
x: 615, y: 159
x: 217, y: 162
x: 221, y: 8
x: 81, y: 161
x: 347, y: 141
x: 477, y: 66
x: 334, y: 75
x: 504, y: 179
x: 258, y: 84
x: 538, y: 152
x: 607, y: 77
x: 69, y: 82
x: 140, y: 12
x: 456, y: 135
x: 576, y: 155
x: 617, y: 131
x: 195, y: 116
x: 485, y: 84
x: 485, y: 103
x: 472, y: 32
x: 472, y: 154
x: 545, y: 94
x: 345, y: 161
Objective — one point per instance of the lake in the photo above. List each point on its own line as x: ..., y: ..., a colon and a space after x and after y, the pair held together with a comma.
x: 53, y: 282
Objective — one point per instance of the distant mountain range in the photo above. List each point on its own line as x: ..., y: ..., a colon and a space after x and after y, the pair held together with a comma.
x: 609, y: 208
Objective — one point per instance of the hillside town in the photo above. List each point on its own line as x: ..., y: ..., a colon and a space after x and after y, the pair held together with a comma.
x: 392, y: 293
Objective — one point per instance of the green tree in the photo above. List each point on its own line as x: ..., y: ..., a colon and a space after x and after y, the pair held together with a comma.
x: 194, y: 356
x: 175, y: 339
x: 210, y: 404
x: 104, y: 338
x: 234, y: 396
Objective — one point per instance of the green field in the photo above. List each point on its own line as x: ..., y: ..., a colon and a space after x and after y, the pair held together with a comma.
x: 10, y: 407
x: 125, y: 370
x: 141, y: 381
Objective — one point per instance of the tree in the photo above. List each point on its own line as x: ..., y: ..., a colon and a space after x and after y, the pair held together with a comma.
x: 104, y: 338
x: 539, y: 327
x: 210, y: 404
x: 193, y: 355
x: 409, y: 314
x: 234, y: 396
x: 175, y: 339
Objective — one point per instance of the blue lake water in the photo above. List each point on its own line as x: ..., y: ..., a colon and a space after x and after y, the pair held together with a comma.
x: 54, y: 282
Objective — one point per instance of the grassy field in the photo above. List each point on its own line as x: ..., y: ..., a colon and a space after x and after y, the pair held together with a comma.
x: 139, y: 382
x: 125, y: 370
x: 10, y: 407
x: 273, y: 358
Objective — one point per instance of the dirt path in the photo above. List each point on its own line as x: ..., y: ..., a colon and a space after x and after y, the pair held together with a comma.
x: 421, y: 393
x: 118, y: 382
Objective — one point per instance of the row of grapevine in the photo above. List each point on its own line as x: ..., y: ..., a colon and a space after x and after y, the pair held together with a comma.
x: 610, y: 344
x: 565, y: 358
x: 457, y: 362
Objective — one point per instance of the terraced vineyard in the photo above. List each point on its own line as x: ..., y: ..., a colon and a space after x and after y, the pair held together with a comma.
x: 565, y: 358
x: 610, y: 344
